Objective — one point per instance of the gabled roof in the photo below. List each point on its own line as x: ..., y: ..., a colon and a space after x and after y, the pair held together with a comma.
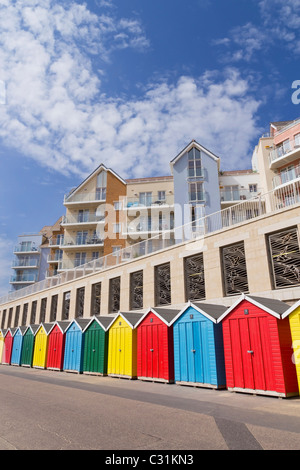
x: 291, y: 309
x: 104, y: 321
x: 273, y: 306
x: 22, y: 329
x: 100, y: 167
x: 165, y: 314
x: 81, y: 322
x: 131, y: 318
x: 62, y: 325
x: 46, y: 326
x: 192, y: 144
x: 33, y: 328
x: 210, y: 311
x: 11, y: 331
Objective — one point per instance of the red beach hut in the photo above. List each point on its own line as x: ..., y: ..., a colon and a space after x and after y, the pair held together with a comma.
x: 155, y: 349
x: 56, y: 345
x: 257, y: 347
x: 8, y: 344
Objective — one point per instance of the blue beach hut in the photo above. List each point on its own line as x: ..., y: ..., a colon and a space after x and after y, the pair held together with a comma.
x: 198, y: 346
x: 74, y: 345
x: 17, y: 346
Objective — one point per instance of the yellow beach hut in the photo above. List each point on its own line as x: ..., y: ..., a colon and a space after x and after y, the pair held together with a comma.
x: 294, y: 319
x: 122, y: 346
x: 41, y: 345
x: 2, y: 334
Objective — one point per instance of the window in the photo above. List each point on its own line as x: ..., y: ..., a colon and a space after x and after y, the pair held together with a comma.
x: 3, y: 319
x: 53, y: 309
x: 114, y: 294
x: 96, y: 299
x: 284, y: 256
x: 196, y: 192
x: 297, y: 139
x: 234, y: 269
x: 10, y: 313
x: 136, y: 290
x: 80, y: 259
x: 83, y: 215
x: 194, y: 163
x: 79, y: 302
x: 118, y: 205
x: 163, y: 284
x: 253, y: 188
x: 33, y: 312
x: 116, y: 250
x: 66, y: 305
x: 24, y: 316
x: 81, y: 237
x: 286, y: 146
x: 101, y: 186
x: 145, y: 199
x: 194, y: 277
x: 161, y: 195
x: 43, y: 310
x: 17, y: 316
x: 117, y: 228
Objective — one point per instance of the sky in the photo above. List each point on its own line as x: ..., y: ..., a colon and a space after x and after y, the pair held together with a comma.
x: 129, y: 83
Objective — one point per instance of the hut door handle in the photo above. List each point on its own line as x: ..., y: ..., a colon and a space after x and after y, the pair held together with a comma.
x: 94, y: 350
x: 193, y: 350
x: 120, y: 350
x: 151, y: 350
x: 250, y: 352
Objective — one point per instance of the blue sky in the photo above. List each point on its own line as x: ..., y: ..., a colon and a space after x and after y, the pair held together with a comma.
x: 129, y: 83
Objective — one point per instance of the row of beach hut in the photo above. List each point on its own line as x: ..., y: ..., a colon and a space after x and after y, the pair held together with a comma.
x: 251, y: 346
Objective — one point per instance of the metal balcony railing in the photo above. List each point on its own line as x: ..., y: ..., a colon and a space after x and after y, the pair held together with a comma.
x: 283, y: 150
x: 82, y: 219
x: 24, y: 278
x: 148, y: 201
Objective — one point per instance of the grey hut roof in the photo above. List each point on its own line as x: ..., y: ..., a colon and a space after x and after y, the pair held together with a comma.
x: 131, y: 317
x: 272, y: 304
x: 167, y: 314
x: 105, y: 321
x: 47, y: 327
x: 3, y: 330
x: 81, y: 322
x: 212, y: 310
x: 12, y: 331
x: 33, y: 328
x: 22, y: 329
x: 63, y: 325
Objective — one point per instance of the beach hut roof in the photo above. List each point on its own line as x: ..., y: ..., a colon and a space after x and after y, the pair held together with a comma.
x: 62, y: 325
x: 104, y: 321
x: 291, y: 309
x: 130, y: 317
x: 166, y: 314
x: 273, y: 306
x: 210, y: 311
x: 46, y: 326
x: 81, y: 322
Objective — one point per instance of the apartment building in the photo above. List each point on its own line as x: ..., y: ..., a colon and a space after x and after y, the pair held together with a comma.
x: 277, y: 159
x: 32, y: 254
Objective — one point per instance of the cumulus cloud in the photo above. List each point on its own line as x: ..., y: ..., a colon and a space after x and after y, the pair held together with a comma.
x: 57, y: 114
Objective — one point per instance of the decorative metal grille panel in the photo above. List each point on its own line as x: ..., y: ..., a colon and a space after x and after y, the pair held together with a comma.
x: 285, y: 258
x: 66, y: 305
x: 234, y: 269
x: 17, y: 316
x: 136, y: 290
x: 96, y: 299
x: 10, y: 313
x: 43, y: 310
x: 53, y: 311
x: 114, y: 294
x: 194, y: 277
x: 24, y: 316
x: 80, y: 302
x: 33, y: 312
x: 163, y: 284
x: 3, y: 318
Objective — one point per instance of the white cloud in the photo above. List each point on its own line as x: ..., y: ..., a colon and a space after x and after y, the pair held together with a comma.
x: 6, y: 249
x: 56, y: 112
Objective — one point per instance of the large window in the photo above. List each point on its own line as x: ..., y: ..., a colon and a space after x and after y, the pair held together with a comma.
x: 234, y: 269
x: 194, y: 277
x: 284, y: 255
x: 80, y: 302
x: 114, y: 294
x: 96, y: 299
x: 194, y: 163
x: 33, y: 312
x: 196, y: 193
x: 43, y: 310
x: 24, y: 316
x: 163, y: 284
x: 53, y: 309
x: 101, y: 186
x: 136, y: 290
x: 17, y: 316
x: 66, y: 305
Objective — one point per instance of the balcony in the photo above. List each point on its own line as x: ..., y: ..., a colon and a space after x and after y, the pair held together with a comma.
x: 147, y: 229
x: 26, y: 248
x: 87, y: 242
x: 85, y: 219
x: 25, y: 263
x: 235, y: 196
x: 291, y: 174
x: 86, y: 198
x: 56, y: 241
x: 66, y: 264
x: 149, y: 202
x: 54, y: 258
x: 23, y: 278
x: 284, y: 154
